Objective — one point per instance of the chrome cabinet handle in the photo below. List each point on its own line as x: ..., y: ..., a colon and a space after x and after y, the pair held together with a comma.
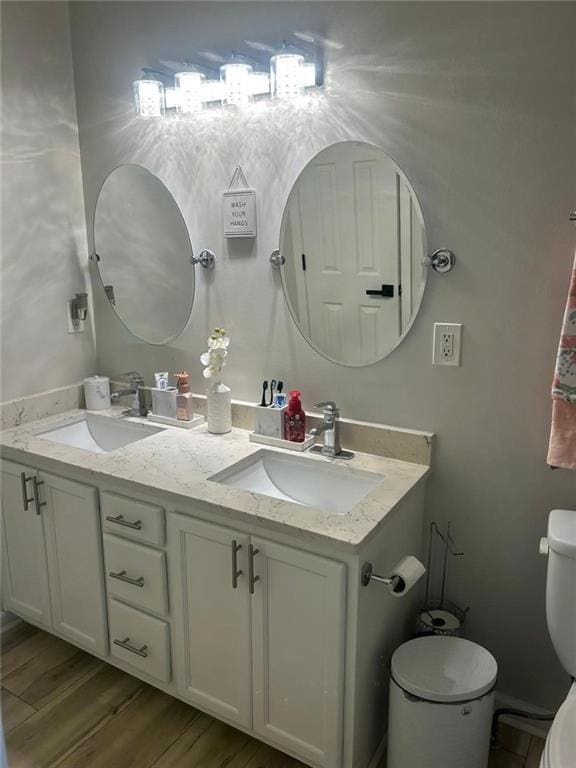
x: 235, y: 572
x: 35, y: 486
x: 25, y: 500
x: 142, y: 651
x: 119, y: 520
x: 251, y: 578
x: 121, y: 576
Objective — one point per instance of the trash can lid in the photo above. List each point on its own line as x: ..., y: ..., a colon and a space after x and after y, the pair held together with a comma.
x: 444, y: 669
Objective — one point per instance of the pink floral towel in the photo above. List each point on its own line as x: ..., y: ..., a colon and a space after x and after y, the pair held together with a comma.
x: 562, y: 448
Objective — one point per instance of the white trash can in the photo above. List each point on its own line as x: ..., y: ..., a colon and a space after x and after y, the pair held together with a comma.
x: 441, y: 704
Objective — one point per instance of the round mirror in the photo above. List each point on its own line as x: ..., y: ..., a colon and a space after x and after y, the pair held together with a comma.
x: 353, y: 242
x: 144, y: 254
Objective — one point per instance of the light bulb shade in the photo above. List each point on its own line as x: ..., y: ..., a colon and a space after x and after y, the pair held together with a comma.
x: 170, y: 97
x: 235, y: 78
x: 308, y: 74
x: 259, y: 83
x: 189, y: 91
x: 149, y: 98
x: 286, y: 75
x: 212, y: 91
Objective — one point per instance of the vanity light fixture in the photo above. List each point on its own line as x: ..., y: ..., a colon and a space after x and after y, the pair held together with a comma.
x: 289, y: 73
x: 189, y: 91
x: 236, y: 79
x: 149, y: 98
x: 308, y: 74
x: 286, y: 75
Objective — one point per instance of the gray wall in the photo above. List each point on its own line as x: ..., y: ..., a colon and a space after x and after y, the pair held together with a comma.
x: 476, y: 102
x: 44, y: 256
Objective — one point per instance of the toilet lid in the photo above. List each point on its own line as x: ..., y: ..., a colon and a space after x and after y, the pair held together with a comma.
x: 444, y: 669
x: 561, y: 744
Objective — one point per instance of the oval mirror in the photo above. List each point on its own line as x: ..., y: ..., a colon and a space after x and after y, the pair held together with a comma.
x: 353, y: 242
x: 144, y: 254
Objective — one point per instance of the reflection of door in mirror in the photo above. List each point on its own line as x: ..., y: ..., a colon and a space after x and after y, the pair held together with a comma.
x: 350, y: 237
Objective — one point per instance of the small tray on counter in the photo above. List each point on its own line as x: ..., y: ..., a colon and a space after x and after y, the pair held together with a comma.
x: 195, y: 422
x: 278, y: 442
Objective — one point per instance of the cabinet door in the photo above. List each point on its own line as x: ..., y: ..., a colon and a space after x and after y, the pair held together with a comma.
x: 24, y: 572
x: 211, y: 617
x: 73, y: 543
x: 298, y: 634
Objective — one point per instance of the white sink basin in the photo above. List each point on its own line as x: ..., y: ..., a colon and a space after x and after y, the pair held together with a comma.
x: 98, y: 434
x: 305, y: 481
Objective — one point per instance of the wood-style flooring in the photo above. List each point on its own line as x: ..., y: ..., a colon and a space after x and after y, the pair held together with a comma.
x: 62, y: 707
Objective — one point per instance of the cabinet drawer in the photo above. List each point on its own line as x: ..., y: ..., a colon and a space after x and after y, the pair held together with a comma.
x: 133, y: 519
x: 140, y: 640
x: 136, y: 574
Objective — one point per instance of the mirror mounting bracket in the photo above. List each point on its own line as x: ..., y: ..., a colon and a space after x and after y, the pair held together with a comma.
x: 206, y: 259
x: 441, y: 261
x: 276, y: 258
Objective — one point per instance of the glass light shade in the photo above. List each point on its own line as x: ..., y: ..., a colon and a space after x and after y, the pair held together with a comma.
x: 235, y: 77
x: 170, y: 97
x: 189, y: 91
x: 286, y: 75
x: 308, y: 74
x: 259, y: 83
x: 149, y: 98
x: 212, y: 90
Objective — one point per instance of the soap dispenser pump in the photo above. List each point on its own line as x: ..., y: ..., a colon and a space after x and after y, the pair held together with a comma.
x: 295, y: 419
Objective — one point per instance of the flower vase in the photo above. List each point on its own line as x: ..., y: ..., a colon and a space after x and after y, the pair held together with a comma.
x: 218, y: 409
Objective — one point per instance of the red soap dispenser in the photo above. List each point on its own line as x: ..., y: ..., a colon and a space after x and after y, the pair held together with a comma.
x: 294, y: 419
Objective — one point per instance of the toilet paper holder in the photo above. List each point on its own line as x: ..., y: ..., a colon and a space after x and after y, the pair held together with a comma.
x: 367, y: 575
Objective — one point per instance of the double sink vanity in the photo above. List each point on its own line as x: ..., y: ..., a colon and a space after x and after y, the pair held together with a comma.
x: 223, y: 573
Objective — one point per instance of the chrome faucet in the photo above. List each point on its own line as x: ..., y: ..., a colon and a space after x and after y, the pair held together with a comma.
x: 137, y: 392
x: 330, y: 428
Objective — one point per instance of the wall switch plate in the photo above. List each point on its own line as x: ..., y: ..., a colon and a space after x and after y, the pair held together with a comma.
x: 447, y: 344
x: 73, y: 326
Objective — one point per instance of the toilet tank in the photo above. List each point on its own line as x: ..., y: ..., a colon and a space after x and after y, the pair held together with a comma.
x: 561, y: 586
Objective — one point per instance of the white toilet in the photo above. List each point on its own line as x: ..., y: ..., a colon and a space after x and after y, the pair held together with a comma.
x: 560, y: 749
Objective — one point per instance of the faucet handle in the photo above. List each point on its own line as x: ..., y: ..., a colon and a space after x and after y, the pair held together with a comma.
x: 328, y: 405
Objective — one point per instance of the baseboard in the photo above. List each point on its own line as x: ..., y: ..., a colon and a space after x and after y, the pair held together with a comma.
x: 379, y: 757
x: 533, y: 727
x: 8, y: 619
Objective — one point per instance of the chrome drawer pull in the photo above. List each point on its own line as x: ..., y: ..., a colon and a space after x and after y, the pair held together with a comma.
x: 121, y: 576
x: 235, y: 572
x: 119, y: 520
x: 35, y: 486
x: 25, y: 499
x: 251, y: 578
x: 127, y: 647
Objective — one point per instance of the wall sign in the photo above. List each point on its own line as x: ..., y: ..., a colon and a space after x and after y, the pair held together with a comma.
x: 239, y: 208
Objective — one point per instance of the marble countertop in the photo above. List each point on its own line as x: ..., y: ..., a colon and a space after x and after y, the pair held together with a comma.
x: 179, y: 462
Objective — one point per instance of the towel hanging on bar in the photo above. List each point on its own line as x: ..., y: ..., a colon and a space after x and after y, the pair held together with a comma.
x: 562, y: 447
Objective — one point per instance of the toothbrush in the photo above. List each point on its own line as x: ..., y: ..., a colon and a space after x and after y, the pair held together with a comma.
x: 264, y: 388
x: 279, y: 399
x: 272, y: 388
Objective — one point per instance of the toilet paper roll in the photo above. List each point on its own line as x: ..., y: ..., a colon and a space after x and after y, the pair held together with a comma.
x: 439, y: 621
x: 408, y: 571
x: 97, y: 393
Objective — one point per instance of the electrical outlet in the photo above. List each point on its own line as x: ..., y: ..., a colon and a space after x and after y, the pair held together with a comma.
x: 447, y: 344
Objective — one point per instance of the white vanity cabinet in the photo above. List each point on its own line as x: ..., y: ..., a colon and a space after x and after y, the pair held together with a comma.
x: 258, y: 624
x: 52, y: 561
x: 24, y: 565
x: 298, y: 630
x: 259, y: 635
